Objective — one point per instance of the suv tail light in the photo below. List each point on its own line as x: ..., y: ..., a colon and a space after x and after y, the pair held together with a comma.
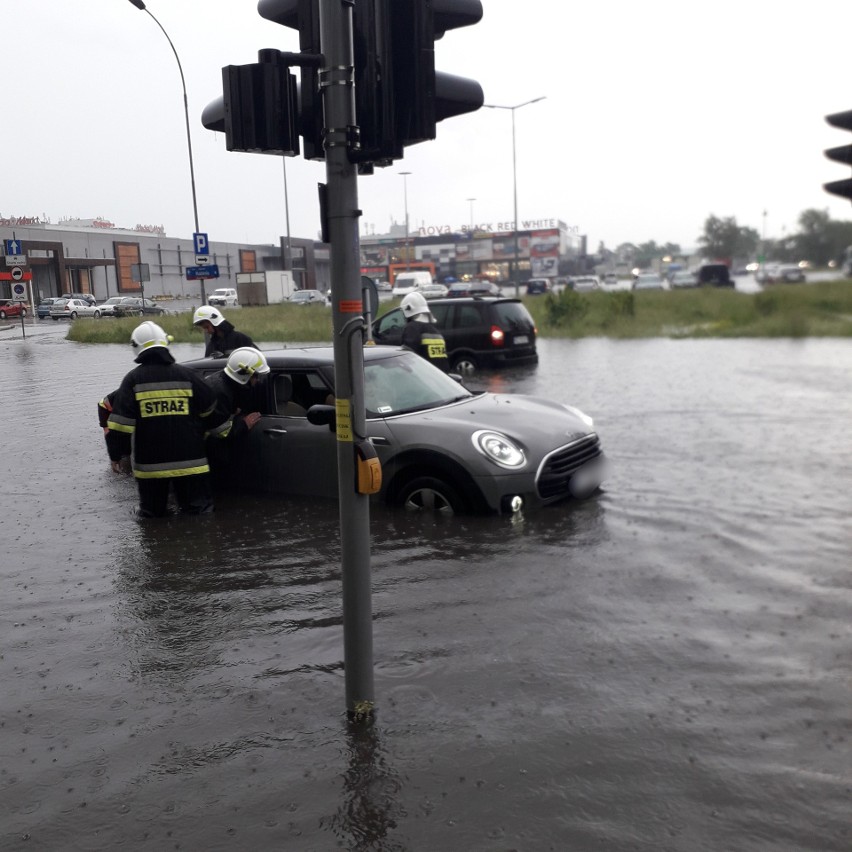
x: 497, y: 336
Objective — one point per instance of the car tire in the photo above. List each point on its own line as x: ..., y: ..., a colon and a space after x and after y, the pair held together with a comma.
x: 2, y: 314
x: 55, y: 319
x: 430, y: 494
x: 464, y: 364
x: 73, y: 315
x: 97, y: 314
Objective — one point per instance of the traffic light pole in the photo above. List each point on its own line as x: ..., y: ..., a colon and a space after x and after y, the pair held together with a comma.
x: 342, y: 225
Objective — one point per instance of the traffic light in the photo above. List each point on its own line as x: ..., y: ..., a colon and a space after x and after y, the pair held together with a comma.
x: 841, y: 154
x: 399, y: 96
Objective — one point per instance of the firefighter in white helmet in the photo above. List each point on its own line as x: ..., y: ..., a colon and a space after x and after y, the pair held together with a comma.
x: 420, y: 332
x: 221, y: 338
x: 167, y: 409
x: 241, y: 396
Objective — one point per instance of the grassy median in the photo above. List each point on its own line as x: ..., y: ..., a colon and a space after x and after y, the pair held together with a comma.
x: 785, y: 310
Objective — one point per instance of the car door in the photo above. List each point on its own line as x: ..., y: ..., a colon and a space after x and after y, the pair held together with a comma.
x: 284, y: 453
x: 388, y: 328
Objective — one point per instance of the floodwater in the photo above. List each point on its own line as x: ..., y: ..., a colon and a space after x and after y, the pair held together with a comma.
x: 666, y: 666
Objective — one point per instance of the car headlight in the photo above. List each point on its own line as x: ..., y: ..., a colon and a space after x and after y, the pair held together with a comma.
x: 589, y: 421
x: 498, y: 448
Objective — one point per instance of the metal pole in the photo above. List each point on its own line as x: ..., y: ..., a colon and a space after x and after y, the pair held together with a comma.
x: 288, y: 261
x: 338, y: 92
x: 471, y: 200
x: 139, y: 4
x: 514, y: 266
x: 405, y: 192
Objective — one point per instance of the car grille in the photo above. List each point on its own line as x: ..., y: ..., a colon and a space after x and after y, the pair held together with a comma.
x: 557, y: 469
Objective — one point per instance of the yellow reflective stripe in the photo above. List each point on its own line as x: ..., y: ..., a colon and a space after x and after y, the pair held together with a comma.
x: 141, y: 473
x: 163, y: 391
x: 129, y: 428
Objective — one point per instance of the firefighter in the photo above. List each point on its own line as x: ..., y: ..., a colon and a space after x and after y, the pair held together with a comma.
x: 168, y: 410
x: 117, y: 443
x: 220, y: 335
x: 420, y: 332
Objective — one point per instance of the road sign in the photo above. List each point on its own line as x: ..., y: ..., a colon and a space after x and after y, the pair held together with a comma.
x: 201, y: 244
x: 18, y: 289
x: 12, y: 246
x: 16, y: 260
x: 17, y: 273
x: 200, y: 273
x: 202, y: 260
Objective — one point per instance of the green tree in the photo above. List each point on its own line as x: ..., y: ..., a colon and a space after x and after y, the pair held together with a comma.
x: 724, y: 239
x: 821, y: 239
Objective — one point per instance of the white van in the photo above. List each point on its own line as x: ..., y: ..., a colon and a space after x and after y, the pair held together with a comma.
x: 408, y: 282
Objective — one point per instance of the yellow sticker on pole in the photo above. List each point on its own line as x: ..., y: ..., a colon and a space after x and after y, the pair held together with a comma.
x: 344, y: 420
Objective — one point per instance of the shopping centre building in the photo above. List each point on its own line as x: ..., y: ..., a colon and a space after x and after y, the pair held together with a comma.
x: 99, y: 257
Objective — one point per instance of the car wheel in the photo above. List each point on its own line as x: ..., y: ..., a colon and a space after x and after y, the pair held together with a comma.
x: 465, y: 364
x: 2, y: 314
x: 73, y: 314
x: 97, y: 314
x: 430, y: 494
x: 55, y: 319
x: 23, y: 312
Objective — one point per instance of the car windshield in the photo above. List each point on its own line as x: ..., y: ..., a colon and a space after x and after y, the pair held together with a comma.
x: 402, y: 384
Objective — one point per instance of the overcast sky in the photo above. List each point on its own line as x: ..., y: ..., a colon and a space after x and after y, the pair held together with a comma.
x: 657, y: 114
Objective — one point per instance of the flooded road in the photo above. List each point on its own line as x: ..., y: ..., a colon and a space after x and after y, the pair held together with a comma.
x: 666, y: 666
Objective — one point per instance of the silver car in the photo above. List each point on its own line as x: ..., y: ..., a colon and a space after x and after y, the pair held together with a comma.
x: 442, y: 447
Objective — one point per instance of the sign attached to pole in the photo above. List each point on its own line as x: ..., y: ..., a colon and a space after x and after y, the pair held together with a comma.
x: 17, y: 273
x: 200, y: 273
x: 140, y: 272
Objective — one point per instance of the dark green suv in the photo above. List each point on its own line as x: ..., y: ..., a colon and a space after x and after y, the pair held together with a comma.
x: 482, y: 332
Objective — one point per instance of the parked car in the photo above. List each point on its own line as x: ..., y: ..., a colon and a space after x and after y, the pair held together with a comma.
x: 461, y: 289
x: 716, y: 274
x: 585, y: 283
x: 537, y: 286
x: 649, y: 281
x: 781, y: 274
x: 442, y: 448
x: 307, y: 297
x: 132, y: 306
x: 434, y: 290
x: 223, y: 297
x: 108, y: 307
x: 12, y: 308
x: 43, y: 307
x: 683, y: 278
x: 85, y: 297
x: 66, y: 308
x: 480, y: 331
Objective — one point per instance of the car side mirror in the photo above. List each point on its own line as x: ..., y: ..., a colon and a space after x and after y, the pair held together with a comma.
x: 323, y: 415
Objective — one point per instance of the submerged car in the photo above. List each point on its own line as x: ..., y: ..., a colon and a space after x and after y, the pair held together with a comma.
x: 43, y: 307
x: 70, y: 309
x: 133, y: 306
x: 308, y: 297
x: 480, y: 332
x: 12, y: 308
x: 442, y: 448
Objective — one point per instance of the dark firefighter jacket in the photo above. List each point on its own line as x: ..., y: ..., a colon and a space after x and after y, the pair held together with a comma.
x: 117, y: 443
x: 427, y: 342
x: 168, y: 410
x: 225, y: 339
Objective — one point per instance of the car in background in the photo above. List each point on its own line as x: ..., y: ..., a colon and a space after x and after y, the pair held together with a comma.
x: 223, y: 297
x: 43, y: 307
x: 12, y: 308
x: 683, y: 278
x: 108, y: 307
x: 784, y: 273
x: 585, y: 283
x: 442, y: 448
x: 88, y: 298
x: 537, y: 286
x: 649, y: 281
x: 715, y: 274
x: 70, y: 309
x: 434, y: 290
x: 463, y: 289
x: 132, y: 306
x: 307, y: 297
x: 481, y: 332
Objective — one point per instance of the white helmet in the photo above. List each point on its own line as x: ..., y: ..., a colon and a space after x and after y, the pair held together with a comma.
x: 245, y: 362
x: 414, y: 307
x: 208, y: 314
x: 149, y: 335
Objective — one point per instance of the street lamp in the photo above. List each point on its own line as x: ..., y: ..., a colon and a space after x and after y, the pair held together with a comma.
x: 139, y: 4
x: 514, y: 179
x: 471, y: 200
x: 405, y: 191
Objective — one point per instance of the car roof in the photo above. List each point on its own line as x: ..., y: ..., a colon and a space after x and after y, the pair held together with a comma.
x: 308, y: 356
x: 468, y: 300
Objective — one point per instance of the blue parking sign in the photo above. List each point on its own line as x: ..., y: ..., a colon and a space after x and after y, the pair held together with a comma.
x: 202, y: 246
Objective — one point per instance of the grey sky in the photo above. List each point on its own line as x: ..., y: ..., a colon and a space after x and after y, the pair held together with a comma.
x: 656, y: 115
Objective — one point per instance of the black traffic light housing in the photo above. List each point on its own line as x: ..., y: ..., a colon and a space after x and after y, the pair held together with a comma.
x: 840, y: 154
x: 399, y: 96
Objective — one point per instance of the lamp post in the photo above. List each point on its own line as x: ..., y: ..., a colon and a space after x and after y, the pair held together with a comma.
x: 139, y: 4
x: 514, y: 181
x: 470, y: 201
x: 405, y: 194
